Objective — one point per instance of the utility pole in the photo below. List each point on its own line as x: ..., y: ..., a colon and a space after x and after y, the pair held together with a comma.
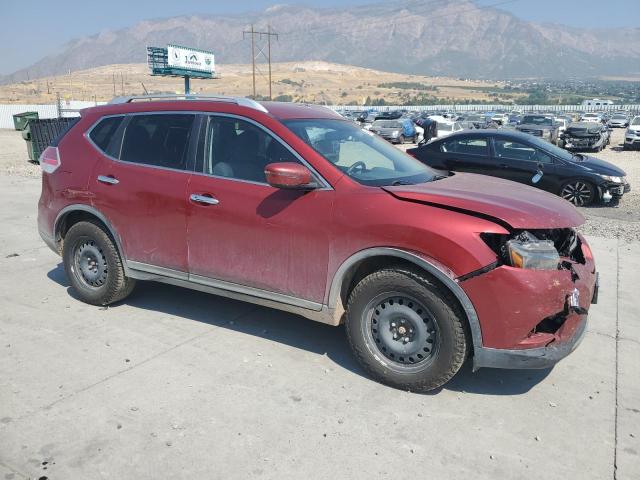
x: 269, y: 56
x: 260, y: 36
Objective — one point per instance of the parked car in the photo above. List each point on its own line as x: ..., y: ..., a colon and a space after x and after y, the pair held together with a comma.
x: 475, y: 120
x: 562, y: 124
x: 542, y: 126
x: 292, y: 207
x: 447, y: 128
x: 592, y: 118
x: 632, y: 135
x: 392, y: 115
x: 500, y: 118
x: 511, y: 155
x: 618, y: 120
x: 366, y: 119
x: 585, y: 136
x: 395, y: 131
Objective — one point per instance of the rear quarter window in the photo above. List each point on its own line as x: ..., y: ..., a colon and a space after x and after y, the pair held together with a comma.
x: 102, y: 134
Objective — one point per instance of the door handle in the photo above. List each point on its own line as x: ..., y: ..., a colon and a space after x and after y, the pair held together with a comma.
x: 108, y: 179
x: 504, y: 165
x: 206, y: 199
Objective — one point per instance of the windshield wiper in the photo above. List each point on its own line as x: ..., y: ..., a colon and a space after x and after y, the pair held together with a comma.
x: 400, y: 182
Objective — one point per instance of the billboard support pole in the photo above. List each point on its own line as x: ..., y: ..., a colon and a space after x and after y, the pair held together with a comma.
x: 187, y: 85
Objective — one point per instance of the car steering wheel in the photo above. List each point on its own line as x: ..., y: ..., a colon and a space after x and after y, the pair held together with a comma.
x: 359, y: 164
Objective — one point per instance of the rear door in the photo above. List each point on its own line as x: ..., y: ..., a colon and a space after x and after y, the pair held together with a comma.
x: 139, y: 184
x: 467, y: 154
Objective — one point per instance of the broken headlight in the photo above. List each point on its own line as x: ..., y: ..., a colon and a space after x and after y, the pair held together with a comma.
x: 527, y: 251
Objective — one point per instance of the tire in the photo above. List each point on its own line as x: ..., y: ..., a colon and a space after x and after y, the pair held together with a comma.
x: 398, y: 301
x: 93, y: 265
x: 401, y: 139
x: 578, y: 192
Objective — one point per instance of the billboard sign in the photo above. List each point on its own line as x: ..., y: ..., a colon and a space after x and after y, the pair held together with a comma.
x: 192, y: 59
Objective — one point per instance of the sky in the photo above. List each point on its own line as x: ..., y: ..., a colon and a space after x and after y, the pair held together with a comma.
x: 30, y: 30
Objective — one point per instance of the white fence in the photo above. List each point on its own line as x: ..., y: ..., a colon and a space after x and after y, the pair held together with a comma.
x: 65, y: 109
x: 490, y: 108
x: 69, y: 109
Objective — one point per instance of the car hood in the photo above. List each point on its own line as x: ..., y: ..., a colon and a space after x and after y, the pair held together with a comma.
x: 534, y: 126
x: 517, y: 205
x: 597, y: 165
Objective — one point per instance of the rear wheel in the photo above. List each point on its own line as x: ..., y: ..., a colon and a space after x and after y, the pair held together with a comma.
x: 406, y: 330
x: 93, y: 265
x: 578, y: 192
x: 401, y: 139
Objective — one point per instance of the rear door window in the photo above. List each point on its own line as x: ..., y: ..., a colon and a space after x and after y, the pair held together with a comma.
x: 103, y: 133
x: 466, y: 146
x: 161, y: 140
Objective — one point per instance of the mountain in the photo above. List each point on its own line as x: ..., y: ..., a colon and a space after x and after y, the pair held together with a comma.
x: 428, y: 37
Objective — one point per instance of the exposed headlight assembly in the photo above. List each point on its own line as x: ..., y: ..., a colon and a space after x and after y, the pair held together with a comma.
x: 527, y: 251
x: 609, y: 178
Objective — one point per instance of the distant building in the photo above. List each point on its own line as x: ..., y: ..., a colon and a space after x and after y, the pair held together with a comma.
x: 596, y: 102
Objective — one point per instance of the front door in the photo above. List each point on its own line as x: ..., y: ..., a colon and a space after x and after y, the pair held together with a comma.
x: 245, y: 233
x: 520, y: 162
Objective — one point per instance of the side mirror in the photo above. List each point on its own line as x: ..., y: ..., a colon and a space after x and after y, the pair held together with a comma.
x: 289, y: 175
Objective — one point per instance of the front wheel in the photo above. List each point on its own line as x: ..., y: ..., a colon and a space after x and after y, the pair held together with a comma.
x: 93, y: 265
x: 578, y: 192
x: 401, y: 139
x: 406, y: 330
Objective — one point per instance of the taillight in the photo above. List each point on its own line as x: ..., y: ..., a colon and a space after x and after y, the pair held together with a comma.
x: 50, y: 160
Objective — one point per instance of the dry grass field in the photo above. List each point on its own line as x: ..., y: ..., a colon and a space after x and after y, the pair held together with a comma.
x: 318, y: 82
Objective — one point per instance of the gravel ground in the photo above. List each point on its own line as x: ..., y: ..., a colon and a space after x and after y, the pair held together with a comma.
x: 611, y: 221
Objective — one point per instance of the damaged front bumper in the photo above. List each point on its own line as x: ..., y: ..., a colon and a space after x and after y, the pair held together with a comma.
x: 541, y: 357
x: 532, y: 318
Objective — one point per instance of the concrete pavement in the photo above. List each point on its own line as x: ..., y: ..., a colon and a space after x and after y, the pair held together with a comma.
x: 179, y: 384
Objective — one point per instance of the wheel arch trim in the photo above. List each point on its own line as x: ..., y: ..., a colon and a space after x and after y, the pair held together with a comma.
x: 430, y: 266
x: 96, y: 213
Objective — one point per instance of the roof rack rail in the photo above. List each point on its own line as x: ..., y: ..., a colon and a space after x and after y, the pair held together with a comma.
x: 241, y: 101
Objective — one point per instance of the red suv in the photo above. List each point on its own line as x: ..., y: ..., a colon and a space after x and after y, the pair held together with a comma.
x: 293, y: 207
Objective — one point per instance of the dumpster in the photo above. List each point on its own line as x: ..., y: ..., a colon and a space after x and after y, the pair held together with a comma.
x: 42, y: 132
x: 20, y: 120
x: 26, y: 134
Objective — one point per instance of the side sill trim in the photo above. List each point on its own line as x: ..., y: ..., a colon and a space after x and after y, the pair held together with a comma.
x: 306, y: 308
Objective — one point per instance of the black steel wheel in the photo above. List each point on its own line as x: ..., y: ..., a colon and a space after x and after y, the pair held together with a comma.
x: 90, y: 263
x: 403, y: 329
x: 578, y: 192
x: 406, y: 329
x: 93, y: 264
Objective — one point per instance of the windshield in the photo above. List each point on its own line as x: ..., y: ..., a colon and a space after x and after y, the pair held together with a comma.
x: 537, y: 120
x: 636, y: 121
x: 619, y: 117
x: 447, y: 127
x: 386, y: 124
x: 363, y: 156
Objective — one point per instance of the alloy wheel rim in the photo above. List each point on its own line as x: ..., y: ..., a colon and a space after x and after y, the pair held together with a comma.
x: 403, y: 330
x: 90, y: 264
x: 577, y: 193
